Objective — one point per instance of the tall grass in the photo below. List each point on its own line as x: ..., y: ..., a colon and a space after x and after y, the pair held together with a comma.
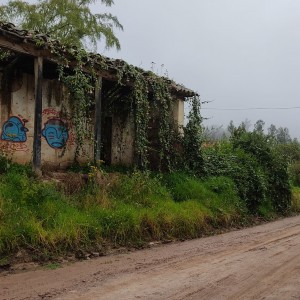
x: 121, y: 209
x: 296, y: 199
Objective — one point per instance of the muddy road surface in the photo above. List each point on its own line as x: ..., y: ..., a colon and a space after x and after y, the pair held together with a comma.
x: 261, y: 262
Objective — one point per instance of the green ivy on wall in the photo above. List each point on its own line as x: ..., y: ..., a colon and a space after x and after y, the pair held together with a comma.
x: 150, y: 97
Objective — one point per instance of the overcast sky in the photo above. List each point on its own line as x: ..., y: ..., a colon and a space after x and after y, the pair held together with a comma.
x: 236, y: 53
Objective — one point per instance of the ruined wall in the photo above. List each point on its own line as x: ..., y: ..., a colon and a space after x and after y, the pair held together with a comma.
x: 17, y: 117
x: 122, y: 150
x: 58, y: 134
x: 17, y: 122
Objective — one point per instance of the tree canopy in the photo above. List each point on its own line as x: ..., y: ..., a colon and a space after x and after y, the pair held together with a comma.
x: 70, y: 21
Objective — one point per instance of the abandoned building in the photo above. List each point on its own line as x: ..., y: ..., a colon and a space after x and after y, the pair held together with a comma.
x: 36, y: 120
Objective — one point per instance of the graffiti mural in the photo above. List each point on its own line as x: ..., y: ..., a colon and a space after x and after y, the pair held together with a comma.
x: 56, y: 133
x: 52, y: 113
x: 14, y: 130
x: 18, y: 147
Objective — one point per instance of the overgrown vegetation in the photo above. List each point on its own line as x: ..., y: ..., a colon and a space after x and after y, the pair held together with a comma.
x: 72, y: 22
x: 51, y: 217
x: 193, y: 139
x: 149, y: 98
x: 120, y: 209
x: 260, y: 171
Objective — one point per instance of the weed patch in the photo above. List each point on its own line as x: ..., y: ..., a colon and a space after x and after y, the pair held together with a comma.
x: 296, y: 199
x: 116, y: 209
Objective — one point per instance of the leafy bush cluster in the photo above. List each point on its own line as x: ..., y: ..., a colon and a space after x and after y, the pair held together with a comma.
x: 246, y: 173
x: 257, y: 163
x: 259, y: 171
x: 291, y: 152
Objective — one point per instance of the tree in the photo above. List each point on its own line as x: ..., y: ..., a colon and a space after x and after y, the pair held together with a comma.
x: 283, y: 136
x: 214, y: 133
x: 272, y: 131
x: 70, y: 21
x: 245, y: 125
x: 231, y: 128
x: 259, y: 126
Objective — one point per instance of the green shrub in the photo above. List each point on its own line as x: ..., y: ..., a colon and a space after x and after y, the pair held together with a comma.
x: 258, y: 170
x: 273, y: 165
x: 296, y: 199
x: 139, y: 188
x: 184, y: 187
x: 295, y: 173
x: 242, y: 168
x: 4, y: 162
x: 217, y: 194
x: 124, y: 209
x: 266, y: 210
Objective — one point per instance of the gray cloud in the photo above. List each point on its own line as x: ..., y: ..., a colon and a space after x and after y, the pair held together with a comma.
x: 239, y: 53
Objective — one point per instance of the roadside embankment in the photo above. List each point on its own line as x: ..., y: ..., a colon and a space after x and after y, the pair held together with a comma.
x: 62, y: 214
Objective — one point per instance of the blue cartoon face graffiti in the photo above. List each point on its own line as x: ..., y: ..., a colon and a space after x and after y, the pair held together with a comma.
x: 14, y: 130
x: 56, y: 133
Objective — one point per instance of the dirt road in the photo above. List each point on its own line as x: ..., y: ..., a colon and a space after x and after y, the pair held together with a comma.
x: 262, y: 262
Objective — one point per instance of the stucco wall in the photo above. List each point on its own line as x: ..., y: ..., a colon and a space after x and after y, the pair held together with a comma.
x: 122, y: 150
x: 58, y: 134
x: 178, y: 113
x: 17, y: 106
x: 17, y: 123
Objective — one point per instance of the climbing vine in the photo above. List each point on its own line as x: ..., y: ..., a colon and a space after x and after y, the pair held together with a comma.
x: 193, y: 138
x: 163, y: 102
x: 150, y: 99
x: 80, y: 83
x: 148, y: 92
x: 80, y: 87
x: 141, y: 109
